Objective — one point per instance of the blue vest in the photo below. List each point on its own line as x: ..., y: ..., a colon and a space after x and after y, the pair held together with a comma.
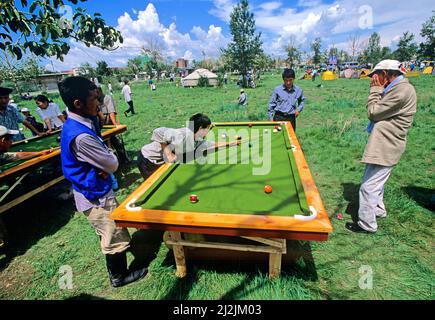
x: 83, y: 176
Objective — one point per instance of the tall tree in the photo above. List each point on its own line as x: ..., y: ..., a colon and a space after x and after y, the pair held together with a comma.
x: 87, y: 70
x: 103, y: 69
x: 406, y: 48
x: 293, y: 52
x: 316, y: 46
x: 354, y: 46
x: 43, y: 27
x: 427, y: 48
x: 246, y: 44
x: 373, y: 52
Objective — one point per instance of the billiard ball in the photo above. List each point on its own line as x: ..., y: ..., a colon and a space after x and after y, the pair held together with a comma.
x: 266, y: 131
x: 193, y: 198
x: 250, y: 145
x: 26, y: 141
x: 279, y: 129
x: 238, y: 137
x: 223, y: 136
x: 275, y: 130
x: 250, y: 125
x: 58, y: 139
x: 276, y: 127
x: 268, y: 189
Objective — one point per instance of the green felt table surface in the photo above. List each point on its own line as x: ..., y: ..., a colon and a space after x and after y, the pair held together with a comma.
x: 233, y: 187
x: 33, y: 144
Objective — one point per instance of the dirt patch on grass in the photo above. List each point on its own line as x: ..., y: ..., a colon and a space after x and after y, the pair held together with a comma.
x: 15, y: 280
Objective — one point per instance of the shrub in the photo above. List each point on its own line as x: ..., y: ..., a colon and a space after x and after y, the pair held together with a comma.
x: 203, y: 82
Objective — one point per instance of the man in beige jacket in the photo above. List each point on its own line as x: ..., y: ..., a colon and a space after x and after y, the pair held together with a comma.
x: 391, y: 106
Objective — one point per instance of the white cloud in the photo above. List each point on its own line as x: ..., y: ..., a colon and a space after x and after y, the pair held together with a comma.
x: 277, y: 20
x: 222, y: 9
x: 270, y: 6
x: 146, y: 30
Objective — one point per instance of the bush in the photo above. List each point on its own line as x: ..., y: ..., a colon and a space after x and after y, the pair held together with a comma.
x: 203, y: 82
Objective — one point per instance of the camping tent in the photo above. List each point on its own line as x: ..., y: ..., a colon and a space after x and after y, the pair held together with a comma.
x: 364, y: 74
x: 347, y: 73
x: 192, y: 79
x: 328, y: 75
x: 307, y: 76
x: 428, y: 70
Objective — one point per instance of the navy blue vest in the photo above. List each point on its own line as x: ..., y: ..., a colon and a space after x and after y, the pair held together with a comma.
x: 83, y: 176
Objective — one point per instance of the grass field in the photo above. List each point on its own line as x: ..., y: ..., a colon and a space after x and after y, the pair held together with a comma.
x: 46, y: 234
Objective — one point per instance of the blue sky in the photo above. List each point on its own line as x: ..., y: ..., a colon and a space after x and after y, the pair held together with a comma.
x: 190, y: 28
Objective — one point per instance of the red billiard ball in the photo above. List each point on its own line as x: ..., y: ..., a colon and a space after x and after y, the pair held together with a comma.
x: 276, y: 127
x: 268, y: 189
x: 250, y: 125
x: 193, y: 198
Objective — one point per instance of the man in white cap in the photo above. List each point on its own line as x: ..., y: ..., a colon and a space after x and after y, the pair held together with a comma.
x: 391, y: 106
x: 5, y: 144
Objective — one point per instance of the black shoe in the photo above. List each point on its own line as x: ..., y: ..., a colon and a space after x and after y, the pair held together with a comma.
x: 118, y: 273
x: 125, y: 113
x: 354, y: 227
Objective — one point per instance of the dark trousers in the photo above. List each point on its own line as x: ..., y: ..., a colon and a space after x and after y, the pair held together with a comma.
x: 146, y: 167
x: 130, y: 107
x: 286, y: 117
x: 118, y: 145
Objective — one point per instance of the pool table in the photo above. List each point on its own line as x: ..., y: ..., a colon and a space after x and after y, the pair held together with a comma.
x: 14, y: 173
x: 230, y: 186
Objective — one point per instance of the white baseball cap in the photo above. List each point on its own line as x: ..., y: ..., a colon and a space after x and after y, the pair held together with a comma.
x: 388, y: 65
x: 25, y: 110
x: 4, y: 131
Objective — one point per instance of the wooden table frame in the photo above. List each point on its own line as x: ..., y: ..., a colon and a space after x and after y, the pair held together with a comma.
x: 271, y: 231
x: 24, y: 168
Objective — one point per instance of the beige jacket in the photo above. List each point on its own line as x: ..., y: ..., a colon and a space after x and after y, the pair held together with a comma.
x: 392, y: 114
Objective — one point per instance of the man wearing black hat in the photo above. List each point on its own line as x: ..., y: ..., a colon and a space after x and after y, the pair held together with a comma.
x: 10, y: 116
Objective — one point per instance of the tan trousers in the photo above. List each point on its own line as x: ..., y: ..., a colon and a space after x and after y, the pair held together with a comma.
x: 112, y: 238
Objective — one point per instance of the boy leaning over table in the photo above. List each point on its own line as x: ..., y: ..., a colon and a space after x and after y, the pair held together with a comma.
x: 87, y: 163
x: 171, y: 145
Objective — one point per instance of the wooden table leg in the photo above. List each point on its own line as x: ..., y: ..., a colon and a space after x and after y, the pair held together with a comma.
x: 180, y: 259
x: 274, y: 265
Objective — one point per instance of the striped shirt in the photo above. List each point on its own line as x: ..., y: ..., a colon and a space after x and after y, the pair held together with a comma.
x: 10, y: 118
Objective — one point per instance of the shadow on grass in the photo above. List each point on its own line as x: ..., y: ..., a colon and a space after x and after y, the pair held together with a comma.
x: 297, y: 263
x: 40, y: 216
x: 351, y: 194
x: 144, y: 247
x: 423, y: 196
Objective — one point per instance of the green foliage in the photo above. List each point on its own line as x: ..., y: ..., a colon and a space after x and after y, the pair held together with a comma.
x: 406, y: 48
x: 103, y: 69
x: 203, y: 82
x: 372, y: 54
x: 87, y: 70
x: 43, y: 27
x: 316, y: 46
x: 246, y: 44
x: 293, y: 53
x: 18, y: 72
x: 427, y: 49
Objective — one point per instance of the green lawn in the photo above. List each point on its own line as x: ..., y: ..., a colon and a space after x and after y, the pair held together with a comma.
x: 46, y: 234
